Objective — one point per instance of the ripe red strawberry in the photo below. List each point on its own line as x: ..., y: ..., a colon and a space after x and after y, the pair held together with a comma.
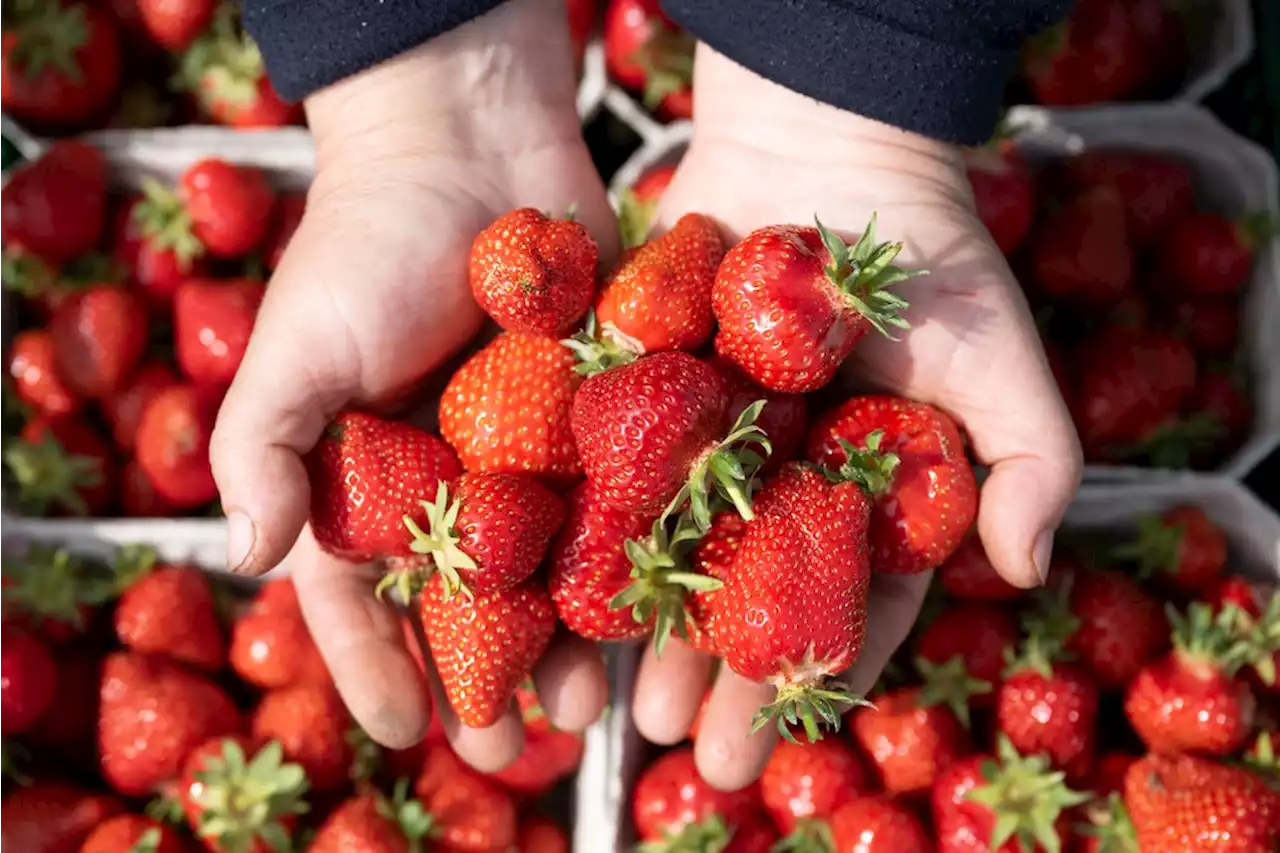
x: 712, y: 557
x: 35, y: 375
x: 670, y: 795
x: 655, y: 433
x: 52, y: 593
x: 224, y: 73
x: 289, y: 210
x: 1120, y: 626
x: 1096, y: 54
x: 61, y: 64
x: 139, y: 498
x: 824, y: 294
x: 980, y: 634
x: 129, y: 833
x: 1080, y: 253
x: 1003, y: 191
x: 1180, y: 803
x: 239, y: 798
x: 536, y: 833
x: 173, y: 444
x: 54, y: 206
x: 533, y: 274
x: 373, y: 823
x: 168, y: 610
x: 804, y: 781
x: 1156, y: 189
x: 784, y: 418
x: 212, y: 321
x: 483, y: 646
x: 1203, y: 253
x: 154, y: 712
x: 913, y: 734
x: 867, y: 824
x: 658, y: 297
x: 366, y: 475
x: 487, y: 536
x: 52, y: 817
x: 174, y: 26
x: 638, y: 204
x: 28, y: 680
x: 311, y: 724
x: 969, y: 575
x: 803, y: 563
x: 646, y: 53
x: 66, y: 732
x: 124, y: 409
x: 99, y: 336
x: 470, y: 813
x: 911, y: 457
x: 548, y: 757
x: 229, y: 206
x: 270, y: 644
x: 1209, y: 324
x: 60, y: 465
x: 1190, y: 700
x: 157, y: 261
x: 1234, y: 589
x: 1005, y: 803
x: 518, y: 385
x: 1181, y: 546
x: 1220, y: 414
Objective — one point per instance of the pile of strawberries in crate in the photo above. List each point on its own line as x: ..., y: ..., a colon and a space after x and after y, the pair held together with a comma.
x: 1137, y: 289
x: 147, y: 705
x: 134, y: 314
x: 1089, y: 716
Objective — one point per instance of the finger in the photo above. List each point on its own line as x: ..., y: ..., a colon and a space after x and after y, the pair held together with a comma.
x: 572, y: 685
x: 892, y: 607
x: 487, y: 750
x: 729, y: 756
x: 669, y: 690
x: 362, y: 642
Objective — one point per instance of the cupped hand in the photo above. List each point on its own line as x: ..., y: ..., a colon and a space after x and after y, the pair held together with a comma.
x: 414, y: 158
x: 762, y: 155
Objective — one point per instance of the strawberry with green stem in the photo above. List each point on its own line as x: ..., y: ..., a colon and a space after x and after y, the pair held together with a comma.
x: 239, y: 799
x: 806, y: 781
x: 130, y: 833
x: 670, y: 795
x: 1204, y: 253
x: 638, y: 204
x: 1182, y: 546
x: 373, y: 821
x: 1109, y: 828
x: 53, y: 592
x: 60, y: 465
x: 169, y: 610
x: 1120, y: 626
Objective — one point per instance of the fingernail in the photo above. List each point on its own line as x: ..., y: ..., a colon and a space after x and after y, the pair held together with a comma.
x: 1042, y: 554
x: 240, y: 536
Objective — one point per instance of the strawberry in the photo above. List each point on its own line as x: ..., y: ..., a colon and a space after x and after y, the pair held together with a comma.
x: 518, y: 385
x: 805, y: 781
x: 533, y: 274
x: 638, y: 203
x: 67, y: 729
x: 658, y: 297
x: 289, y: 210
x: 139, y: 498
x: 129, y: 833
x: 61, y: 64
x: 124, y: 409
x: 367, y: 474
x: 175, y: 25
x: 156, y: 261
x: 712, y: 557
x: 52, y: 817
x: 1095, y: 55
x: 1081, y: 254
x: 35, y: 375
x: 793, y: 609
x: 913, y: 734
x: 1006, y: 803
x: 52, y: 593
x: 61, y: 465
x: 1155, y: 188
x: 1180, y: 802
x: 99, y: 336
x: 470, y: 814
x: 224, y: 73
x: 270, y: 645
x: 1219, y: 403
x: 311, y: 724
x: 173, y: 444
x: 824, y: 294
x: 1209, y: 324
x: 488, y: 537
x: 1182, y: 546
x: 866, y: 824
x: 168, y: 610
x: 1120, y: 627
x: 537, y: 833
x: 1109, y: 829
x: 1109, y: 772
x: 670, y: 795
x: 751, y: 834
x: 229, y: 206
x: 373, y: 823
x: 1162, y: 27
x: 1003, y: 191
x: 212, y: 321
x: 54, y: 206
x: 548, y: 757
x: 483, y: 645
x: 153, y: 714
x: 784, y: 418
x: 911, y: 457
x: 979, y: 633
x: 28, y: 679
x: 241, y: 800
x: 969, y: 575
x: 645, y: 52
x: 1207, y: 254
x: 1190, y: 700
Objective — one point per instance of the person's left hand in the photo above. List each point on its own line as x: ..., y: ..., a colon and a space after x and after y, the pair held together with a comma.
x: 762, y: 155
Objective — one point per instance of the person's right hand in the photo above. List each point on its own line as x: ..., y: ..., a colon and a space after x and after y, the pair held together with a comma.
x: 414, y: 157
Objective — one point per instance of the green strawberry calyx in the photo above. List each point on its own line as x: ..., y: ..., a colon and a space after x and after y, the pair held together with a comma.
x: 26, y: 274
x: 1025, y: 797
x: 415, y: 822
x: 807, y: 697
x: 1206, y: 643
x: 51, y: 583
x: 49, y: 35
x: 667, y: 60
x: 1258, y: 640
x: 164, y: 222
x: 243, y: 800
x: 710, y: 835
x: 1110, y: 824
x: 635, y: 215
x: 1254, y: 230
x: 1155, y: 549
x: 148, y: 841
x: 661, y: 579
x: 47, y: 476
x: 131, y: 564
x: 949, y: 684
x: 1047, y: 628
x: 441, y: 542
x: 863, y: 272
x: 599, y: 349
x: 223, y: 66
x: 1262, y: 758
x: 366, y: 754
x: 868, y: 466
x: 811, y: 835
x: 1175, y: 444
x: 726, y: 471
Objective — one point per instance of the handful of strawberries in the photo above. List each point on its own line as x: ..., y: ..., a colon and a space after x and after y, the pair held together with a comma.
x: 598, y: 466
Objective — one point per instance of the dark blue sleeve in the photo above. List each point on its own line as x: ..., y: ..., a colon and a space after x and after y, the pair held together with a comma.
x: 937, y: 67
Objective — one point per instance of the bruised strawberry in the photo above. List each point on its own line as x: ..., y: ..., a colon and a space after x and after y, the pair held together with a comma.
x: 212, y: 321
x: 61, y: 63
x: 289, y: 210
x: 1207, y: 254
x: 61, y: 465
x: 968, y: 574
x: 1156, y: 189
x: 1080, y: 253
x: 54, y: 206
x: 366, y: 475
x: 1003, y: 192
x: 670, y: 795
x: 155, y: 260
x: 821, y: 294
x: 910, y: 457
x: 32, y: 367
x: 168, y: 610
x: 124, y: 408
x: 173, y: 444
x: 99, y: 336
x: 239, y: 797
